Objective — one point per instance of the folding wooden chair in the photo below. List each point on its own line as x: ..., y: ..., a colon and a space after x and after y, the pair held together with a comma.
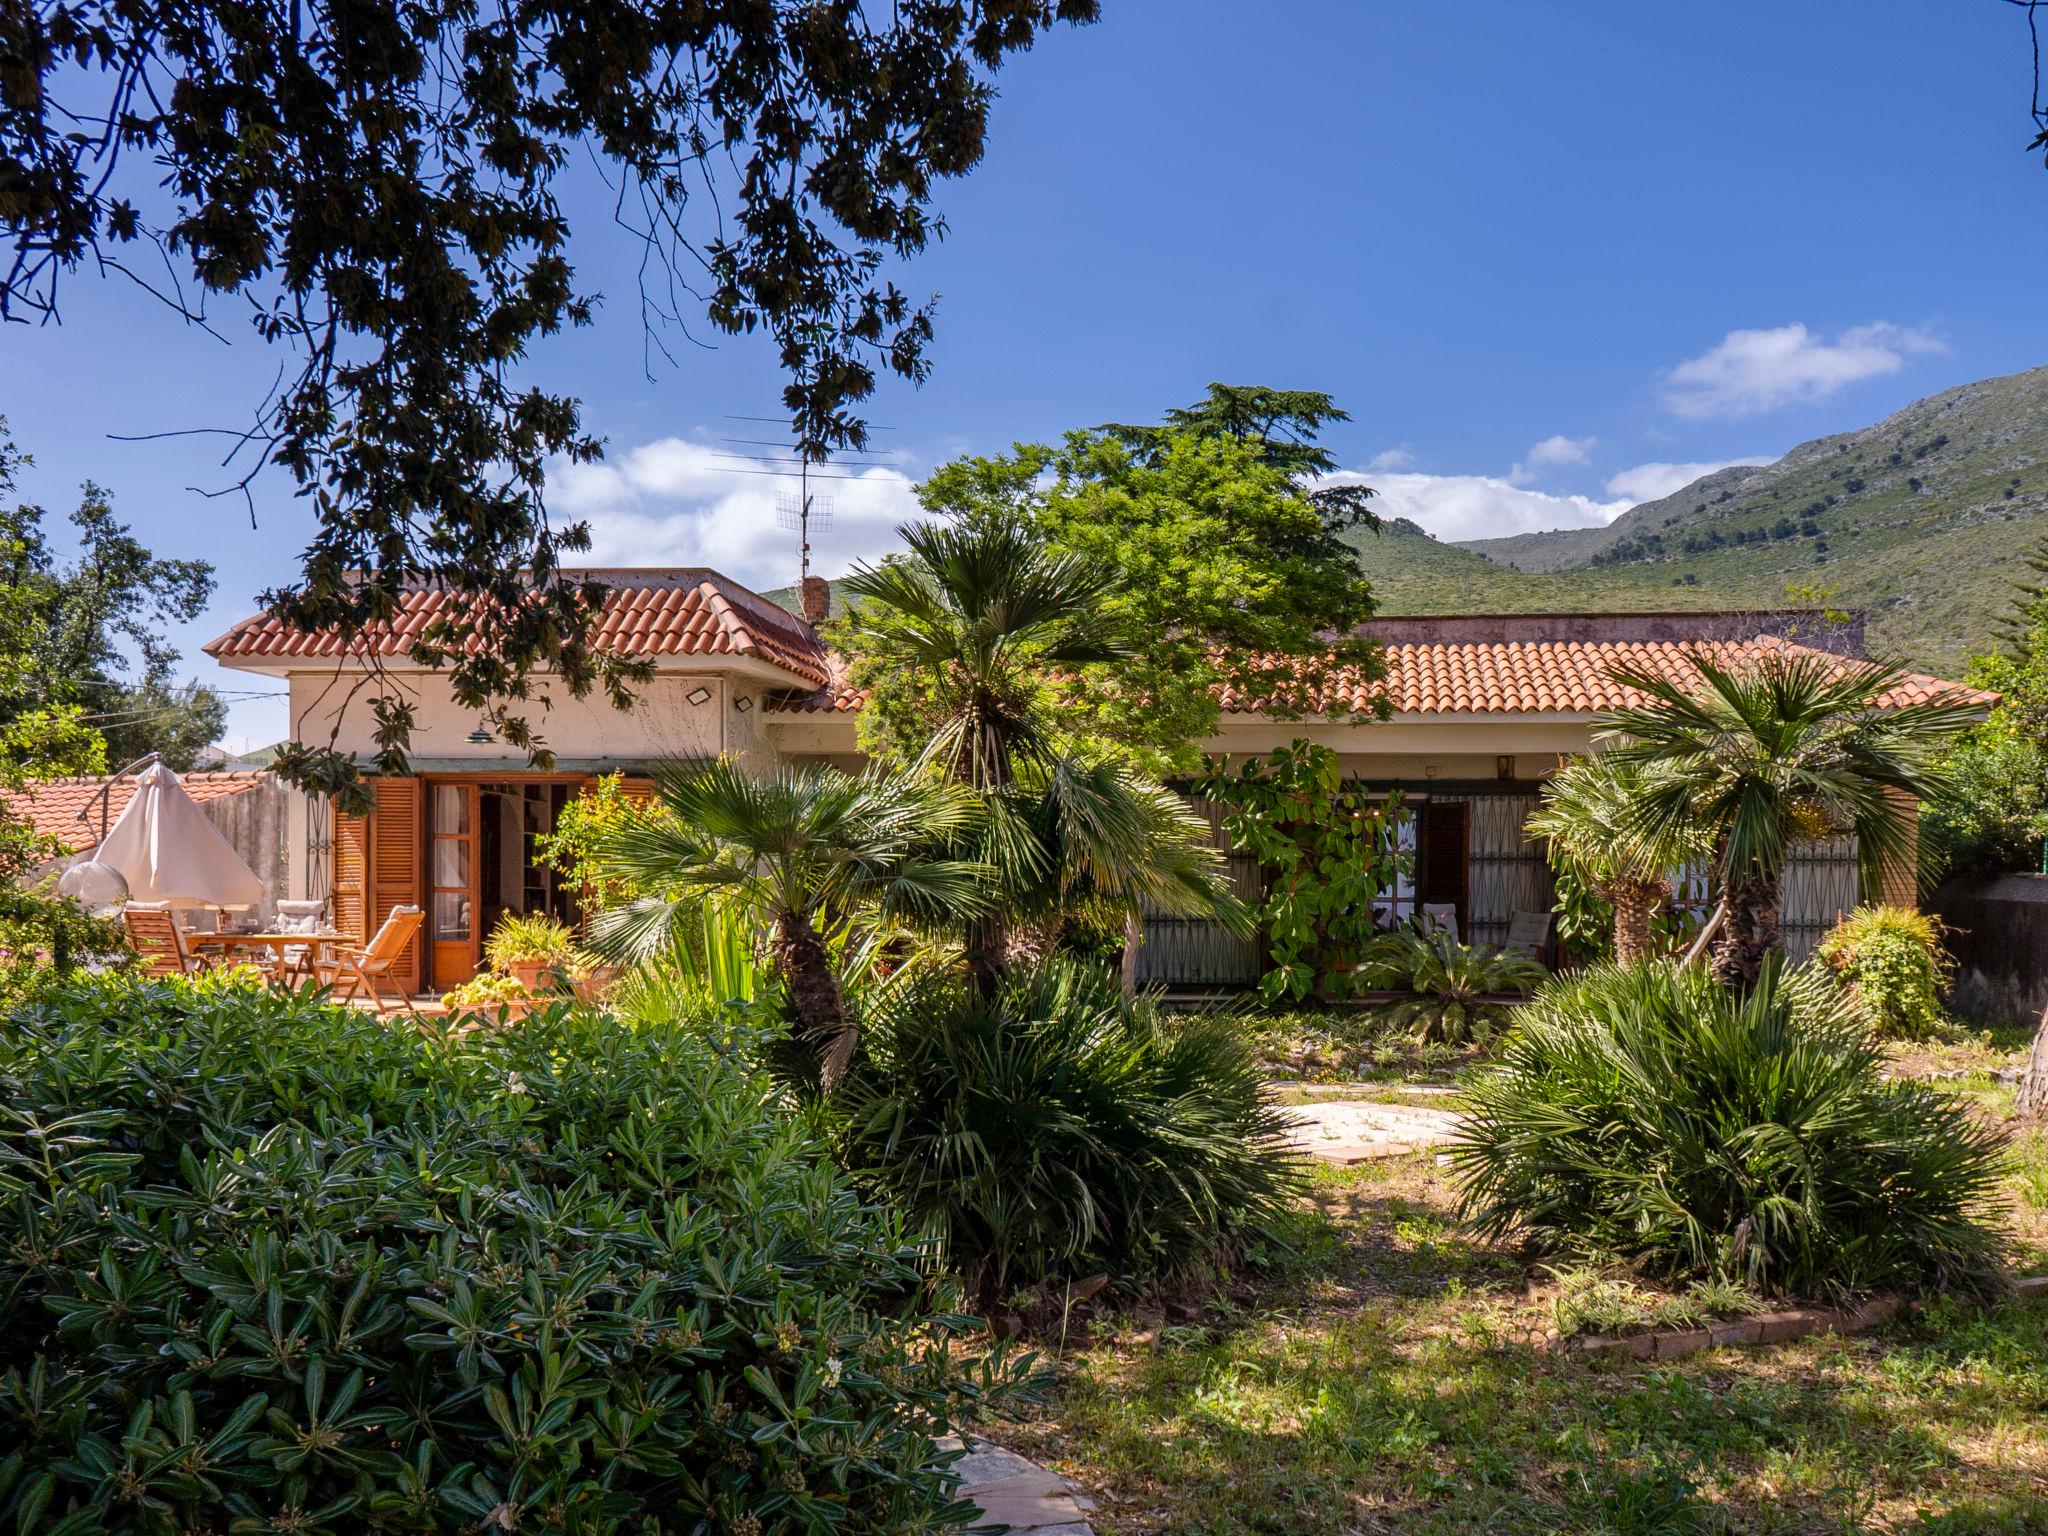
x: 362, y: 968
x: 153, y: 934
x: 298, y: 917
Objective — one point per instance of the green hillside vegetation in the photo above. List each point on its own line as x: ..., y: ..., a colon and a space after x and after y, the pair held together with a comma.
x: 1921, y: 520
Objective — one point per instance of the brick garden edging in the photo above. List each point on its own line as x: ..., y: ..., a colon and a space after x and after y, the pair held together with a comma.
x: 1765, y: 1327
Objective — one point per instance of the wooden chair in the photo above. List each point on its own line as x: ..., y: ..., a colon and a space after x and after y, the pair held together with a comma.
x: 1443, y: 916
x: 298, y: 917
x: 362, y: 968
x: 153, y: 934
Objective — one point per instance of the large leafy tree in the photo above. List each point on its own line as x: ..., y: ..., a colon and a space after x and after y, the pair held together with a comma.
x: 1788, y: 748
x: 802, y: 851
x: 376, y: 185
x: 1221, y: 555
x: 91, y: 634
x: 967, y: 649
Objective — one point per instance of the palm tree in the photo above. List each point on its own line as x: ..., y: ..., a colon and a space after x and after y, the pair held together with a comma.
x: 1586, y: 817
x: 802, y: 850
x: 972, y: 629
x: 980, y: 615
x: 1792, y: 748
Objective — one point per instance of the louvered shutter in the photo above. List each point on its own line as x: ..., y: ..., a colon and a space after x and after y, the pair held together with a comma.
x: 351, y: 877
x: 396, y: 876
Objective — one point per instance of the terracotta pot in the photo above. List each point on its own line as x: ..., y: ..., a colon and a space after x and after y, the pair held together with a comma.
x: 534, y: 975
x: 592, y: 985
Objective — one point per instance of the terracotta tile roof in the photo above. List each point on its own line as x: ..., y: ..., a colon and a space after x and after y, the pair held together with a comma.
x: 1464, y: 677
x: 688, y: 612
x: 52, y: 806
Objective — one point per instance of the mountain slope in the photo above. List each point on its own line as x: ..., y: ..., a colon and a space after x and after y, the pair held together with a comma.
x: 1922, y: 520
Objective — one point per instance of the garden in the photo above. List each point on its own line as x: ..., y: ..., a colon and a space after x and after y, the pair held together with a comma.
x: 840, y: 1132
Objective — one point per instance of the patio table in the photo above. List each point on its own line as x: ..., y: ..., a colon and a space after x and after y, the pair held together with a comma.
x: 276, y: 943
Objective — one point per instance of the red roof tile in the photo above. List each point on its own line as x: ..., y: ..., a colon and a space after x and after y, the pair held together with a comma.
x: 52, y: 806
x: 647, y: 613
x: 1511, y: 677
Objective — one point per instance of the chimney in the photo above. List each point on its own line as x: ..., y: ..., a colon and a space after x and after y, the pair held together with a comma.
x: 816, y: 599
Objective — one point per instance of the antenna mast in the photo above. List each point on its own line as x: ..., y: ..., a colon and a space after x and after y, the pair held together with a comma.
x: 802, y: 514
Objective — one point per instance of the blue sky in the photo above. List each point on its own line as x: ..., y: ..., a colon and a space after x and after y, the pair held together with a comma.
x: 1541, y: 253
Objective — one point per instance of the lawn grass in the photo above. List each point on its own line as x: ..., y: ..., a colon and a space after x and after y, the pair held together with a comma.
x: 1388, y: 1381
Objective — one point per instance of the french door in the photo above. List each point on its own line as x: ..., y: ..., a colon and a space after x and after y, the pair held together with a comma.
x: 455, y: 903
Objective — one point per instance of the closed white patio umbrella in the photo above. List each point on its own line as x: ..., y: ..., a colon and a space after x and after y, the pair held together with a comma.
x: 167, y: 850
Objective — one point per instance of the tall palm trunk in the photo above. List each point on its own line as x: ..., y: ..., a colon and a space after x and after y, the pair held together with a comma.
x: 824, y: 1033
x: 1755, y: 901
x: 985, y: 768
x: 1635, y: 911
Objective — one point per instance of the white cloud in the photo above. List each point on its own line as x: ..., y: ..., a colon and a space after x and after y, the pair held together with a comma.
x: 1653, y: 482
x: 1759, y: 370
x: 1391, y: 459
x: 1480, y: 506
x: 675, y: 502
x: 1551, y: 452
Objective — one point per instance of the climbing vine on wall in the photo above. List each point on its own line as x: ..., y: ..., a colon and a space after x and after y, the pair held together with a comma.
x: 1327, y: 853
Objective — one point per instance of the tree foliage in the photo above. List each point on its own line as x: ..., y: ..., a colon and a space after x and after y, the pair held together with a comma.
x: 77, y: 623
x: 378, y: 186
x: 1222, y: 558
x: 1329, y: 855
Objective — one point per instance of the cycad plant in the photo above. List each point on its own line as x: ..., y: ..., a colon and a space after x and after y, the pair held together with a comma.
x: 1652, y: 1115
x: 1793, y: 747
x: 801, y: 850
x: 961, y: 644
x: 1588, y: 821
x: 1458, y: 989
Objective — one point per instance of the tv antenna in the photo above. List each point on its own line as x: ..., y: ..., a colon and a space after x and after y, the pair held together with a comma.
x: 803, y: 513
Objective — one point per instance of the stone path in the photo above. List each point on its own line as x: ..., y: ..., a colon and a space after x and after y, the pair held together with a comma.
x: 1020, y: 1494
x: 1346, y: 1131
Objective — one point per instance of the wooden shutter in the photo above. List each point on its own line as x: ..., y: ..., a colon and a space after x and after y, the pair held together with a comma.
x: 637, y: 791
x: 395, y: 872
x: 1442, y: 859
x: 351, y: 877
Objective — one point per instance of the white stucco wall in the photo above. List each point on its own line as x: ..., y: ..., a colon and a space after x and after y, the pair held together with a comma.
x: 660, y: 723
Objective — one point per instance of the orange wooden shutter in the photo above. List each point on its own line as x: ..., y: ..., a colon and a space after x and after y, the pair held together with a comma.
x: 395, y: 872
x: 637, y: 791
x: 351, y: 877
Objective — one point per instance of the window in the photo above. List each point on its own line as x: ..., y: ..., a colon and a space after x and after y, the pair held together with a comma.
x: 1398, y: 904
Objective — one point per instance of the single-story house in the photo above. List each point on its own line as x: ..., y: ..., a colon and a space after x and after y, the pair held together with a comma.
x: 1482, y: 709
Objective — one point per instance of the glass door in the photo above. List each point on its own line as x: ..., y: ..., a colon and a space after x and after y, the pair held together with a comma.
x: 453, y: 866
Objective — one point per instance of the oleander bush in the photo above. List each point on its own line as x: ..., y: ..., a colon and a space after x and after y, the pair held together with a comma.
x: 1891, y: 963
x: 268, y: 1265
x: 1057, y: 1128
x: 1652, y: 1116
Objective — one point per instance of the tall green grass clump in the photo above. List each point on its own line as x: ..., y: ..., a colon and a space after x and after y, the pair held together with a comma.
x: 268, y: 1265
x: 1653, y: 1116
x: 1057, y: 1128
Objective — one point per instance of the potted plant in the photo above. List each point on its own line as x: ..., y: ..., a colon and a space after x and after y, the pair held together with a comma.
x: 533, y: 950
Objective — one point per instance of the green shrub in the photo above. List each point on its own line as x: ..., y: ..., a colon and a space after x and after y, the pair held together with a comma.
x: 1457, y: 986
x: 1059, y: 1128
x: 267, y: 1265
x: 1653, y: 1116
x: 1891, y: 963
